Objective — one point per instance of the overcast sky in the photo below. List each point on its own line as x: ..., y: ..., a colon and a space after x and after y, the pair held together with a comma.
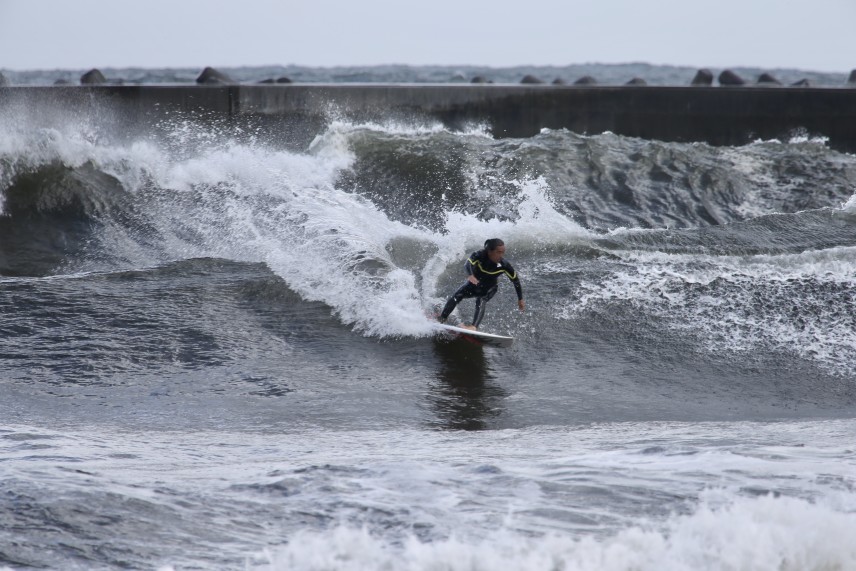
x: 817, y: 35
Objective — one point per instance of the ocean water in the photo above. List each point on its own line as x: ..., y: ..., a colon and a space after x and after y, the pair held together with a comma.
x: 214, y: 352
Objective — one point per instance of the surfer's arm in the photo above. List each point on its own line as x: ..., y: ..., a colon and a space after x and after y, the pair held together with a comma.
x: 519, y: 289
x: 515, y: 280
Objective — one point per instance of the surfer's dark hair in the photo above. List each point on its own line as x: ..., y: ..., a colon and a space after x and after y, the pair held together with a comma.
x: 493, y: 244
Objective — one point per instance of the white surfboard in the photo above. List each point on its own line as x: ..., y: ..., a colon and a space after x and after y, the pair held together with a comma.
x: 477, y: 336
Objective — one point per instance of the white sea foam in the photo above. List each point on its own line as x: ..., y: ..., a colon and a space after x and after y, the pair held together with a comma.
x: 797, y: 303
x: 850, y: 205
x: 762, y: 534
x: 342, y: 128
x: 798, y: 137
x: 248, y: 203
x: 617, y: 496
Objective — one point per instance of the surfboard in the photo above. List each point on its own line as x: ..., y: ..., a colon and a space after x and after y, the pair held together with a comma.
x: 477, y: 336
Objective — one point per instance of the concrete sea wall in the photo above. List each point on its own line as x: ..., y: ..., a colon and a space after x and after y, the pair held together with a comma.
x: 724, y: 115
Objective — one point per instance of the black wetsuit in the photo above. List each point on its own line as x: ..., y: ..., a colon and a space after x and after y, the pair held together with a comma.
x: 487, y: 273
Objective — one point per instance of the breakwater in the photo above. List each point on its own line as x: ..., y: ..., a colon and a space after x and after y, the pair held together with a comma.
x: 731, y: 115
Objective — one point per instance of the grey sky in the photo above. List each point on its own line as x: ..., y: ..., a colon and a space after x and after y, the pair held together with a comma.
x: 45, y: 34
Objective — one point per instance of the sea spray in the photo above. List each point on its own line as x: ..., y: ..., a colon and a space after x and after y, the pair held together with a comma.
x: 763, y: 534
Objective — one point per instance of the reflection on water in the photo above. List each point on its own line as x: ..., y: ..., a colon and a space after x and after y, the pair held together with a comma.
x: 465, y: 396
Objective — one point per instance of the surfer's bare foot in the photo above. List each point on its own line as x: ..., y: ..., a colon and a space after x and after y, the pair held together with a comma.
x: 470, y: 327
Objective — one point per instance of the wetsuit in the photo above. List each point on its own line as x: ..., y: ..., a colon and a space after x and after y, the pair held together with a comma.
x: 487, y: 273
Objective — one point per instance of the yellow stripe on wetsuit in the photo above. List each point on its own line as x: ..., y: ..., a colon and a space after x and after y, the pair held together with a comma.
x: 477, y: 263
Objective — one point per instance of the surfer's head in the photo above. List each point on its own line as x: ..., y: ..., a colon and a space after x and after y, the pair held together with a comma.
x: 495, y: 249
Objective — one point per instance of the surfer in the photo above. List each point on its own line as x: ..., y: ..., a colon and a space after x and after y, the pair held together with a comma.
x: 483, y: 270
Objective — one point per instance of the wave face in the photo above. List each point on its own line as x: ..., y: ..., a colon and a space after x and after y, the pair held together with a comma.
x: 752, y: 244
x: 216, y: 351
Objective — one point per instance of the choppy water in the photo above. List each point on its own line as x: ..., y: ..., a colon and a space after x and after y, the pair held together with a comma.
x: 214, y: 353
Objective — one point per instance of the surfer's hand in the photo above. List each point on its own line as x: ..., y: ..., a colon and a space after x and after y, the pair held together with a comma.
x: 472, y: 279
x: 521, y: 304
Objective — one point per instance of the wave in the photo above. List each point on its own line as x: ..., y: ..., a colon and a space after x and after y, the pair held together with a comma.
x: 134, y: 206
x: 760, y: 534
x: 795, y: 304
x: 654, y: 495
x: 374, y: 219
